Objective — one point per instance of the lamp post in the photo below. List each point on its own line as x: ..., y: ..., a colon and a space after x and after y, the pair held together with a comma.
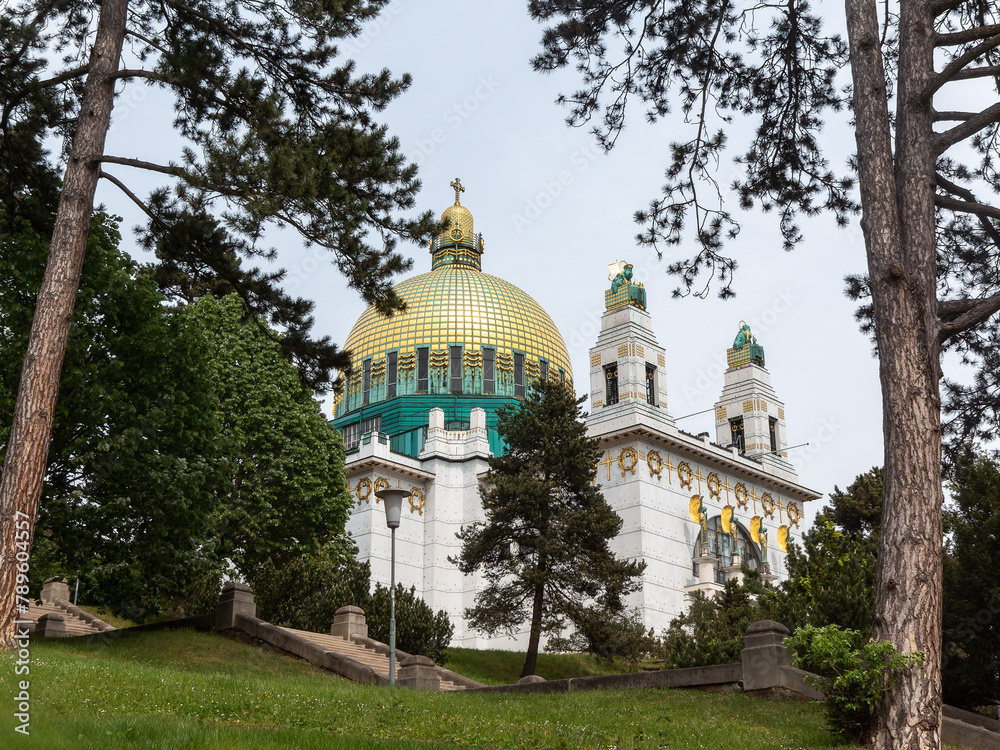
x: 393, y: 510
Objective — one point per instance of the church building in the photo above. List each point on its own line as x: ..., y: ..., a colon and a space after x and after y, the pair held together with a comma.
x: 419, y: 413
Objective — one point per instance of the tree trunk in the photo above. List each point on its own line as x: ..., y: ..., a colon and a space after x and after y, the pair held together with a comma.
x: 27, y: 447
x: 531, y: 659
x: 897, y: 197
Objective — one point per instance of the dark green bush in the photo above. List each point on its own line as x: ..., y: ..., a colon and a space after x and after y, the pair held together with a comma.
x: 418, y: 629
x: 712, y: 630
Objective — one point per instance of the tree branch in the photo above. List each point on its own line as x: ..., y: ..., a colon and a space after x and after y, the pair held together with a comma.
x: 967, y: 207
x: 943, y: 141
x: 145, y: 40
x: 956, y: 65
x: 968, y: 35
x: 950, y: 116
x: 147, y: 74
x: 949, y: 307
x: 66, y: 75
x: 984, y: 72
x: 134, y: 198
x: 981, y: 311
x: 943, y: 6
x: 970, y: 199
x: 150, y: 75
x: 148, y: 165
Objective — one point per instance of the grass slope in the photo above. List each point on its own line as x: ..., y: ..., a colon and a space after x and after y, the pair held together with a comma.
x: 192, y: 690
x: 504, y: 667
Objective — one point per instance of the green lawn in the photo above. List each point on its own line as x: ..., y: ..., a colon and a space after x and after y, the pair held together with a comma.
x: 191, y: 690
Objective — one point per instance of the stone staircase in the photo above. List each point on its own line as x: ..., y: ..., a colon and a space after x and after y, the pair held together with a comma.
x: 54, y: 616
x: 364, y: 654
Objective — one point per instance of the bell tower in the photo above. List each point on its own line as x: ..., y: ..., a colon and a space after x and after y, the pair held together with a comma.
x: 748, y: 414
x: 627, y: 380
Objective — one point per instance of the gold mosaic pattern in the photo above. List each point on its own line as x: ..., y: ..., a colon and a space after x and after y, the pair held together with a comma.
x: 748, y: 405
x: 781, y: 413
x: 454, y: 306
x: 458, y: 216
x: 595, y: 360
x: 661, y: 360
x: 720, y: 414
x: 737, y: 357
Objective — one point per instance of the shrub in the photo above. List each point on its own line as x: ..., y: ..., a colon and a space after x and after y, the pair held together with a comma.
x: 418, y: 629
x: 712, y: 630
x: 854, y: 674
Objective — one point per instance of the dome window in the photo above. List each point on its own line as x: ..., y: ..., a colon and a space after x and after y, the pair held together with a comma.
x: 543, y: 367
x: 366, y: 388
x: 422, y: 369
x: 393, y: 371
x: 456, y: 369
x: 518, y: 375
x: 489, y: 371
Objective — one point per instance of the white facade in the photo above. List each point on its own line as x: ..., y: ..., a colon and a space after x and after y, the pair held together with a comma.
x: 655, y: 476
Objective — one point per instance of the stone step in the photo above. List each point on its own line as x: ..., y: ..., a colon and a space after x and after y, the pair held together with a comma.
x: 74, y: 626
x: 378, y: 662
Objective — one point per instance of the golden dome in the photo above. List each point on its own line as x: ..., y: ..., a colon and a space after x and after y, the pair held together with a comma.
x: 460, y: 306
x: 463, y: 333
x: 457, y: 217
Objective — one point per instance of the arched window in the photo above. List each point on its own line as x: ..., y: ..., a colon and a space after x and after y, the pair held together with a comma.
x: 721, y: 545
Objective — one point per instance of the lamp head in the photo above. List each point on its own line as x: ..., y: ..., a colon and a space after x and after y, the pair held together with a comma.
x: 393, y: 500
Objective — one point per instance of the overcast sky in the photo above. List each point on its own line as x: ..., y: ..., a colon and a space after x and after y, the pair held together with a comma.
x: 554, y: 211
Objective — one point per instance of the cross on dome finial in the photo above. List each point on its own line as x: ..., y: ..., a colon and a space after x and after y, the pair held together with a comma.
x: 457, y: 184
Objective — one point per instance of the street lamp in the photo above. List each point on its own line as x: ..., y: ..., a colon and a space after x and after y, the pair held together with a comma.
x: 393, y: 510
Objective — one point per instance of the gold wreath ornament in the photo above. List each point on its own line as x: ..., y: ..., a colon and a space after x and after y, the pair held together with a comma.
x: 655, y: 462
x: 740, y: 491
x: 684, y: 474
x: 628, y: 458
x: 767, y: 503
x: 714, y: 485
x: 363, y: 490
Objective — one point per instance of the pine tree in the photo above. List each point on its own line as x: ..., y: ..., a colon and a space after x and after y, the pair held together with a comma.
x: 543, y: 549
